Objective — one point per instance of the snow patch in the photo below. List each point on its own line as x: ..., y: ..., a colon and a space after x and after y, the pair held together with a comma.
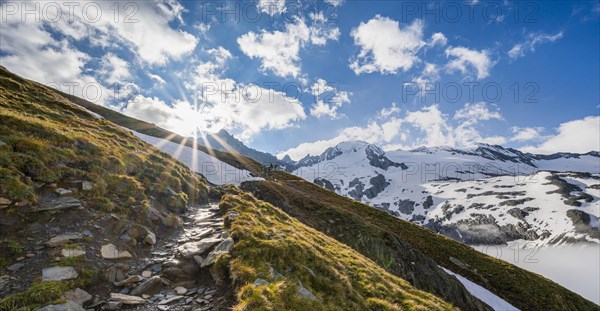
x: 483, y: 294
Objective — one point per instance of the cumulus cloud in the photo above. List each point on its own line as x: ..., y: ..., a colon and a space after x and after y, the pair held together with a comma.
x: 278, y: 51
x: 385, y: 47
x: 428, y: 126
x: 328, y: 99
x: 531, y: 42
x: 522, y: 134
x: 467, y: 60
x: 114, y: 69
x: 579, y: 136
x: 473, y: 113
x: 271, y: 7
x: 243, y: 108
x: 46, y: 50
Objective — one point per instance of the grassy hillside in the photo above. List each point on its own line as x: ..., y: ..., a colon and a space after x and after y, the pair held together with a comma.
x: 386, y: 238
x: 285, y: 254
x: 46, y: 139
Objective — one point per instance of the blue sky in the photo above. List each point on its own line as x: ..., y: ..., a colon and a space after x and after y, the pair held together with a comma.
x: 297, y: 77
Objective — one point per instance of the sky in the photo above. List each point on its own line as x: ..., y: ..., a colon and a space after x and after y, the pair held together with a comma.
x: 291, y: 77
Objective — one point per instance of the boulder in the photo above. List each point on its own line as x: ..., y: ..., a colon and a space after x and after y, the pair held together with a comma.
x: 59, y: 204
x: 58, y: 274
x: 109, y: 251
x: 188, y: 250
x: 63, y: 239
x: 127, y: 299
x: 77, y: 295
x: 150, y: 238
x: 152, y: 285
x: 72, y: 252
x: 129, y: 280
x: 15, y: 267
x: 87, y: 186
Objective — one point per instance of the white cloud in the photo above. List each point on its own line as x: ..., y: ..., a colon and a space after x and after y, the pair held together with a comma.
x: 579, y: 136
x: 271, y: 7
x: 531, y: 42
x: 245, y: 109
x: 179, y: 117
x: 114, y: 69
x: 279, y: 50
x: 425, y: 127
x: 438, y: 38
x: 429, y: 75
x: 385, y: 47
x: 465, y: 60
x: 386, y: 112
x: 522, y: 134
x: 335, y: 3
x: 157, y: 78
x: 328, y: 99
x: 473, y: 113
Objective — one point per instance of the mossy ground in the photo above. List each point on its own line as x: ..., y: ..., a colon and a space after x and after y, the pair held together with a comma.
x: 273, y: 246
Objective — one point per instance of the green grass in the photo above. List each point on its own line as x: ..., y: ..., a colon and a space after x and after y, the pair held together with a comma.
x: 273, y: 246
x: 354, y: 221
x: 51, y: 140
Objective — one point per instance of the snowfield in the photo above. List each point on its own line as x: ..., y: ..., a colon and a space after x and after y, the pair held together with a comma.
x: 214, y: 170
x: 483, y: 294
x: 480, y: 195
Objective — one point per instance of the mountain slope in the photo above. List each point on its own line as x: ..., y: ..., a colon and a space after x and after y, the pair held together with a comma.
x: 224, y: 141
x: 276, y: 255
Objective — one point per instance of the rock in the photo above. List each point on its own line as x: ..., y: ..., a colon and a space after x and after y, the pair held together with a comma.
x: 113, y: 305
x: 77, y: 295
x: 163, y: 308
x: 67, y: 306
x: 58, y: 273
x: 129, y: 280
x: 109, y: 251
x: 151, y: 285
x: 58, y: 204
x: 63, y: 192
x: 260, y: 282
x: 406, y: 206
x: 156, y: 268
x: 198, y: 259
x: 72, y: 252
x: 63, y: 239
x: 188, y: 250
x: 15, y: 267
x: 150, y: 238
x: 87, y: 186
x: 180, y: 290
x: 127, y: 299
x: 225, y: 246
x: 5, y: 201
x: 169, y: 300
x: 306, y: 293
x: 211, y: 258
x: 147, y: 273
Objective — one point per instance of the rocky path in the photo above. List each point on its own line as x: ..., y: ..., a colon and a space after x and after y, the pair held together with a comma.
x: 171, y: 272
x: 177, y: 275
